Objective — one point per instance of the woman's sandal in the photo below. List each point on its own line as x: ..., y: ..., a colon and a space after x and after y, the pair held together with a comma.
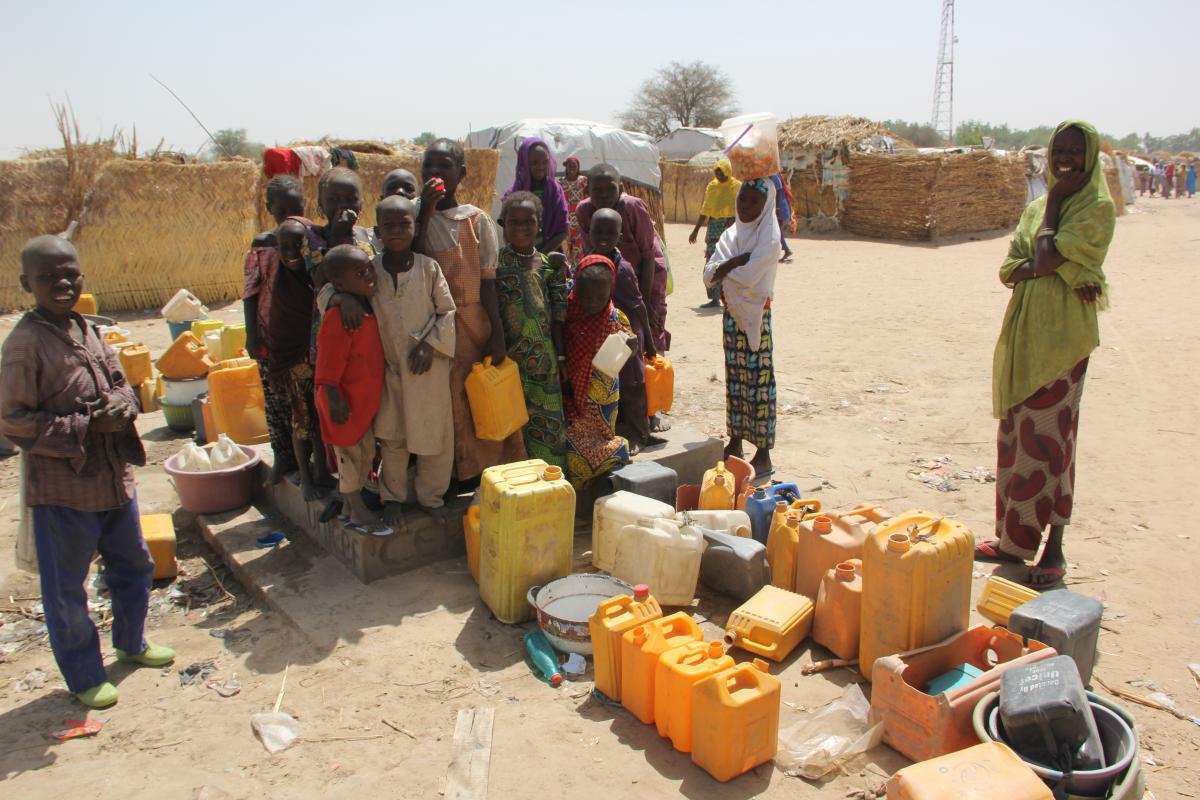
x: 1045, y: 577
x: 990, y: 551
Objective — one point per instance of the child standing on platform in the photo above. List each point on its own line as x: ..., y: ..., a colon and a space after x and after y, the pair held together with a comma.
x: 464, y: 242
x: 64, y: 401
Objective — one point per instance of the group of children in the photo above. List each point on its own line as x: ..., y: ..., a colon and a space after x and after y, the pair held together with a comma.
x: 365, y: 338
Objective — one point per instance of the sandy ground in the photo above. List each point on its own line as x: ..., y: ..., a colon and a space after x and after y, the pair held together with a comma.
x: 883, y: 354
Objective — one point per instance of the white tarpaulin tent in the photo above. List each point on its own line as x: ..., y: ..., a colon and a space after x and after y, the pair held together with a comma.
x: 634, y: 154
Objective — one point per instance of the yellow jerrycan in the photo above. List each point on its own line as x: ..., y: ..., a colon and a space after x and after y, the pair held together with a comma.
x: 676, y: 675
x: 771, y: 623
x: 830, y: 539
x: 717, y: 489
x: 497, y: 399
x: 612, y: 618
x: 641, y: 647
x: 735, y: 720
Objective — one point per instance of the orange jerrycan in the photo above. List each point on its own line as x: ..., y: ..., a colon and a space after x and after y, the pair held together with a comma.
x: 916, y: 585
x: 135, y: 360
x: 86, y: 304
x: 612, y: 618
x: 497, y: 399
x: 836, y: 622
x: 159, y: 533
x: 718, y: 489
x: 830, y: 539
x: 641, y: 647
x: 989, y: 771
x: 1000, y: 597
x: 660, y: 385
x: 676, y: 675
x: 185, y: 358
x: 526, y: 534
x: 235, y: 395
x: 771, y: 623
x: 781, y: 547
x: 735, y: 720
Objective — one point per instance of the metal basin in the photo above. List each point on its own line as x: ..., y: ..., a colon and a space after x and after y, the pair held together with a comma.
x: 564, y: 605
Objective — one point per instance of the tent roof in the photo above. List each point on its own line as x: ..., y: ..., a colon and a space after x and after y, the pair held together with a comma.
x: 825, y: 133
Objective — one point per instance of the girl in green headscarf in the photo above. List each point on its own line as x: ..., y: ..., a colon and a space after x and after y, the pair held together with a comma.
x: 719, y: 209
x: 1055, y: 270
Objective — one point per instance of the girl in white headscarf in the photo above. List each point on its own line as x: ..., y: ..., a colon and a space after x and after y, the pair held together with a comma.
x: 744, y: 265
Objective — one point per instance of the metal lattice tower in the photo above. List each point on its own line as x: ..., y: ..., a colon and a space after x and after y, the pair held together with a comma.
x: 943, y: 81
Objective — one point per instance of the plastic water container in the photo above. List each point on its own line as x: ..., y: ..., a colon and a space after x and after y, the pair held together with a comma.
x: 611, y: 514
x: 760, y: 507
x: 734, y: 565
x: 184, y: 306
x: 752, y: 144
x: 233, y: 340
x: 641, y: 647
x: 660, y: 385
x: 1067, y: 621
x: 212, y: 343
x: 612, y: 618
x: 471, y: 538
x: 86, y: 304
x: 828, y: 540
x: 676, y: 675
x: 718, y: 489
x: 497, y: 399
x: 1046, y: 715
x: 647, y: 478
x: 238, y: 403
x: 735, y: 523
x: 159, y: 533
x: 185, y: 358
x: 135, y: 360
x: 838, y: 612
x: 612, y: 355
x: 662, y: 554
x: 989, y: 771
x: 916, y: 585
x: 735, y: 720
x: 147, y: 394
x: 781, y: 548
x: 202, y: 327
x: 771, y: 623
x: 526, y: 532
x: 1000, y: 597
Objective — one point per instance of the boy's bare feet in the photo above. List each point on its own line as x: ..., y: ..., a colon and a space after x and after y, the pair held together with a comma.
x: 393, y: 513
x: 659, y: 424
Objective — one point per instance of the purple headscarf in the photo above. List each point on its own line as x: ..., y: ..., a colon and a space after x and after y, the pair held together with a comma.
x: 554, y: 201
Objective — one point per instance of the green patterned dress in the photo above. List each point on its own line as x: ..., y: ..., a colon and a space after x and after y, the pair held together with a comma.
x: 531, y: 299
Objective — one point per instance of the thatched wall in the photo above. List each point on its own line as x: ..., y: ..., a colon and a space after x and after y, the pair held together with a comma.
x: 683, y: 188
x: 477, y: 189
x: 915, y: 196
x: 33, y: 201
x: 151, y: 228
x: 1113, y: 178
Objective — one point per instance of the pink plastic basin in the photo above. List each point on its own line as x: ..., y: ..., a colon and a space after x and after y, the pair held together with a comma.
x: 218, y: 490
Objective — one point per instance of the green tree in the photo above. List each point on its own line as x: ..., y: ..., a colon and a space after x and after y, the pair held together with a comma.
x: 229, y: 142
x: 921, y: 134
x: 425, y: 139
x: 695, y: 95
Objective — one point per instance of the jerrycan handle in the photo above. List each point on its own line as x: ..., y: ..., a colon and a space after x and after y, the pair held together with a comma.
x: 809, y: 505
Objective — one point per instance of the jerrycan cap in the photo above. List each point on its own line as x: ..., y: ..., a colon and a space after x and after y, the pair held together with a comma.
x: 716, y: 649
x: 641, y: 591
x: 719, y: 479
x: 844, y: 571
x: 552, y: 474
x: 792, y: 519
x: 759, y: 493
x: 780, y: 506
x: 639, y: 634
x: 823, y: 524
x: 720, y: 467
x: 742, y: 531
x: 899, y: 542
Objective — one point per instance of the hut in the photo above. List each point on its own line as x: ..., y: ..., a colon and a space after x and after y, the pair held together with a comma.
x: 815, y: 154
x: 683, y: 143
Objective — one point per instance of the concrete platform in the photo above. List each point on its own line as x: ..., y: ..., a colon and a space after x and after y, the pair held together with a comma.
x: 687, y: 451
x: 414, y: 543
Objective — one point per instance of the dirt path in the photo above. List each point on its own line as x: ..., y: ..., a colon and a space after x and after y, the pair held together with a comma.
x: 884, y: 354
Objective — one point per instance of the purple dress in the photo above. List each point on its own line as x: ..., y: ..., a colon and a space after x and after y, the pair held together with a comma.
x: 627, y: 297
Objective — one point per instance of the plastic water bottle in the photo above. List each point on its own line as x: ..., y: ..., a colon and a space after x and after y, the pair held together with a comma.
x: 544, y: 659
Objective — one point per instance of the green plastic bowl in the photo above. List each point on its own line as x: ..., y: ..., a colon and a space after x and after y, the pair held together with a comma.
x: 179, y: 418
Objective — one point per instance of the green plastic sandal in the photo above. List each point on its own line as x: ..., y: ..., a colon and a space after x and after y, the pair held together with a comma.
x: 155, y: 655
x: 101, y: 696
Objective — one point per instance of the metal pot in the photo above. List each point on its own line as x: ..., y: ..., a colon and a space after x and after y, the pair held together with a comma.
x: 563, y: 607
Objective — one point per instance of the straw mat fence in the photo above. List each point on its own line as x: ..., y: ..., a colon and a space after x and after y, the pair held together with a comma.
x: 33, y: 201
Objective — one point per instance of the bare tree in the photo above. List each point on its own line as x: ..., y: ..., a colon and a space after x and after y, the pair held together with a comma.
x: 695, y: 95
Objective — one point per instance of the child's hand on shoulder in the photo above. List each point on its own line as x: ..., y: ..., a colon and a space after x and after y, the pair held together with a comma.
x: 420, y: 358
x: 352, y: 310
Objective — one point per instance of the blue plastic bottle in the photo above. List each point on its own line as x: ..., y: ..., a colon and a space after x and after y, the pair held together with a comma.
x: 759, y: 507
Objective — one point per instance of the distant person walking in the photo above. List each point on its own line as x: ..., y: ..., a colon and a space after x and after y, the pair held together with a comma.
x: 1143, y: 180
x: 783, y: 214
x: 1055, y: 270
x: 718, y: 210
x: 1191, y: 180
x: 1168, y: 179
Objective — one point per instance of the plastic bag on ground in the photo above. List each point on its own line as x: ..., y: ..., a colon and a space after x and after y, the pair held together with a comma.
x: 193, y: 458
x: 830, y: 737
x: 226, y: 454
x: 276, y: 730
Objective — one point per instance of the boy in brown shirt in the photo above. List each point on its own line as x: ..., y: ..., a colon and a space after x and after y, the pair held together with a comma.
x: 65, y: 402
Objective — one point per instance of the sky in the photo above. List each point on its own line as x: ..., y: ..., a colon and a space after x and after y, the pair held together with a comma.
x: 390, y: 70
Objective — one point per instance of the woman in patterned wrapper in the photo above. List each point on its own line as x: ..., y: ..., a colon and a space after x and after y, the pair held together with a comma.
x: 1055, y: 270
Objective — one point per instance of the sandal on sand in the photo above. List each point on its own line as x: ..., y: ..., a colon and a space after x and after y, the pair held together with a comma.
x: 990, y: 551
x: 1045, y: 577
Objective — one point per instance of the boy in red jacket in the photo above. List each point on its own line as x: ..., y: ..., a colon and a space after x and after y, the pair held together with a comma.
x: 349, y: 379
